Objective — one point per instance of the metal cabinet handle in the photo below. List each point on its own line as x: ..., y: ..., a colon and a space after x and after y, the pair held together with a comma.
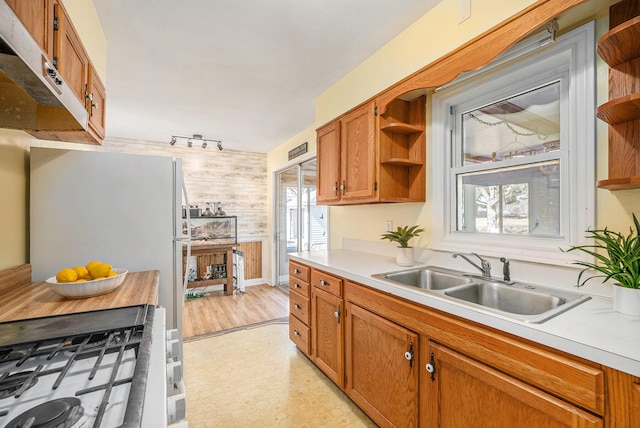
x: 296, y: 285
x: 296, y: 270
x: 337, y: 314
x: 409, y: 354
x: 335, y: 189
x: 296, y: 333
x: 323, y: 282
x: 297, y: 306
x: 343, y: 187
x: 431, y: 366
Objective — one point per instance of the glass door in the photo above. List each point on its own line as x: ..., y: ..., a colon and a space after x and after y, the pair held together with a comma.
x: 300, y: 224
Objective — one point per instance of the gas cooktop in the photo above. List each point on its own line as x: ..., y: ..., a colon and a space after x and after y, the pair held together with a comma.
x: 77, y: 370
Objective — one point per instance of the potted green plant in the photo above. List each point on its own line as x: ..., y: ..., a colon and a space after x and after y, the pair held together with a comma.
x: 617, y: 257
x: 404, y: 254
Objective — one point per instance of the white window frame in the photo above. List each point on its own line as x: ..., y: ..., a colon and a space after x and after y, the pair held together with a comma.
x: 571, y: 57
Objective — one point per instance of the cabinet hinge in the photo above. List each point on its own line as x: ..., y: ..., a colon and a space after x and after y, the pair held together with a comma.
x: 56, y: 24
x: 375, y: 185
x: 55, y: 62
x: 451, y: 110
x: 375, y: 111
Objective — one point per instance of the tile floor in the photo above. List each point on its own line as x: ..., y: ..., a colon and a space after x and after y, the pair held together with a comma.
x: 257, y: 378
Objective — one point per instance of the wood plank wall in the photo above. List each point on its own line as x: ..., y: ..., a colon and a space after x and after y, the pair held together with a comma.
x: 252, y: 259
x: 236, y: 179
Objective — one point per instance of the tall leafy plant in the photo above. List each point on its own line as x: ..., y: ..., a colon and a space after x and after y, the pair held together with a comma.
x: 403, y: 235
x: 617, y: 256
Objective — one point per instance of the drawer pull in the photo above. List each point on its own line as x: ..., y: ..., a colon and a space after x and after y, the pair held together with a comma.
x: 296, y: 285
x: 297, y: 306
x: 323, y: 282
x: 296, y: 270
x: 296, y: 333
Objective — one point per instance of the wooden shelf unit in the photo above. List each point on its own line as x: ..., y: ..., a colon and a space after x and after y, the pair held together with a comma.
x: 620, y: 49
x: 211, y: 255
x: 402, y: 151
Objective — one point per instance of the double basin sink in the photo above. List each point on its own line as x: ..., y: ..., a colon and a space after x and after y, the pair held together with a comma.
x: 514, y: 300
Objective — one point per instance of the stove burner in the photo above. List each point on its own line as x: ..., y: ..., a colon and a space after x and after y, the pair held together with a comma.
x: 62, y: 412
x: 14, y: 382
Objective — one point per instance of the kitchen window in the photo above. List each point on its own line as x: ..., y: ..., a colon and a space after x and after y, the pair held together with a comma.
x: 513, y: 152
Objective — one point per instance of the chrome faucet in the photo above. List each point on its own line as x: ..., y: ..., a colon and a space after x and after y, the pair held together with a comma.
x: 506, y: 273
x: 485, y: 266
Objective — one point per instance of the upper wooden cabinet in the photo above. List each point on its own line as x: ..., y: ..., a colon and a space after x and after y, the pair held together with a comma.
x: 619, y: 49
x: 346, y: 158
x: 50, y: 26
x: 365, y: 158
x: 37, y: 17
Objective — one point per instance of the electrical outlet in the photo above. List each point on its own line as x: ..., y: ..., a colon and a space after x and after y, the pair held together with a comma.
x: 389, y: 226
x: 464, y: 10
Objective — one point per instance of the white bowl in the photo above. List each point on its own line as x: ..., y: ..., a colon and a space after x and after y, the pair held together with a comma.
x: 80, y: 290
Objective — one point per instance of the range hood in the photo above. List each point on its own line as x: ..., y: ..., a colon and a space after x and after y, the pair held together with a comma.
x: 33, y: 96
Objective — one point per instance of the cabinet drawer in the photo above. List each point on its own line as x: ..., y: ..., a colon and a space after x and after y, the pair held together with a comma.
x: 299, y: 306
x: 299, y: 334
x: 329, y: 283
x: 299, y: 271
x: 299, y: 286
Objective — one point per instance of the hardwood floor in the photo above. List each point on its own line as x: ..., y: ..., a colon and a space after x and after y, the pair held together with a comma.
x: 216, y: 312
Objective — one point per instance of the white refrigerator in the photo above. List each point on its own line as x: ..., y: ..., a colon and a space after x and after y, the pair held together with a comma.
x: 121, y: 209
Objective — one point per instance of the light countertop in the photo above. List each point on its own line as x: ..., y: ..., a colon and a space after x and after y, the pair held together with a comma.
x: 591, y: 330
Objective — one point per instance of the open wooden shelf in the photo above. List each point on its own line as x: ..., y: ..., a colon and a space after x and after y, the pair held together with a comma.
x: 620, y: 110
x: 621, y: 44
x: 402, y: 162
x: 402, y: 128
x: 625, y: 183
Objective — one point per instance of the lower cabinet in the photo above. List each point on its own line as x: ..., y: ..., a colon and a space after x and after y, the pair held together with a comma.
x: 462, y: 392
x: 382, y: 368
x: 327, y: 349
x: 407, y: 365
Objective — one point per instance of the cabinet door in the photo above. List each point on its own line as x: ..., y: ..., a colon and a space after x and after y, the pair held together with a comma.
x: 69, y: 55
x: 382, y: 368
x: 37, y: 17
x: 358, y: 171
x: 96, y: 103
x: 462, y: 392
x: 327, y: 347
x: 328, y: 158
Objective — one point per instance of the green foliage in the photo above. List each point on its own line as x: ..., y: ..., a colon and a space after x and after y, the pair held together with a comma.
x: 403, y: 235
x: 617, y: 256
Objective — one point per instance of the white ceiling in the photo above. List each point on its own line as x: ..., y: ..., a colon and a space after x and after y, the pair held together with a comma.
x: 246, y: 72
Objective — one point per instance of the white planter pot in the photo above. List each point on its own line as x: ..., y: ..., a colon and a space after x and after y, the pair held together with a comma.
x: 404, y: 256
x: 626, y: 300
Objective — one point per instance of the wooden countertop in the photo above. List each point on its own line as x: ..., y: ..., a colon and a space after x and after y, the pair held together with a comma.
x: 20, y: 299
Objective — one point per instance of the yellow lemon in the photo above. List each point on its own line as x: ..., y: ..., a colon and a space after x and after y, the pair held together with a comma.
x: 66, y: 275
x: 81, y: 271
x: 81, y: 280
x: 112, y: 274
x: 92, y: 263
x: 99, y: 278
x: 99, y: 270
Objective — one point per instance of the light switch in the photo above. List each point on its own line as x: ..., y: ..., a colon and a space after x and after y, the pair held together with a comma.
x: 389, y: 225
x: 464, y: 10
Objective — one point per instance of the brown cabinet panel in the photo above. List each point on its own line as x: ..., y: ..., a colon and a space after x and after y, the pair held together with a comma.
x: 299, y: 334
x: 324, y: 281
x: 298, y: 286
x: 379, y: 376
x: 327, y: 346
x: 299, y: 271
x: 96, y: 103
x: 357, y: 167
x: 299, y: 307
x: 37, y: 17
x: 464, y: 391
x: 72, y: 60
x: 328, y: 158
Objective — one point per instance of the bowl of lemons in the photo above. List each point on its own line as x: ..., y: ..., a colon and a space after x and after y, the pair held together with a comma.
x: 79, y: 282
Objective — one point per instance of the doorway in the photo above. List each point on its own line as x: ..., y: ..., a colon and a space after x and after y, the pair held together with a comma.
x: 301, y: 225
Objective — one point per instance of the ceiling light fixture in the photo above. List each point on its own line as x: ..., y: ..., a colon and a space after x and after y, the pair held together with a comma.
x: 195, y: 138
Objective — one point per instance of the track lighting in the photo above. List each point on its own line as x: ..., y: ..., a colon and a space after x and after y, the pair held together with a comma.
x: 195, y: 138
